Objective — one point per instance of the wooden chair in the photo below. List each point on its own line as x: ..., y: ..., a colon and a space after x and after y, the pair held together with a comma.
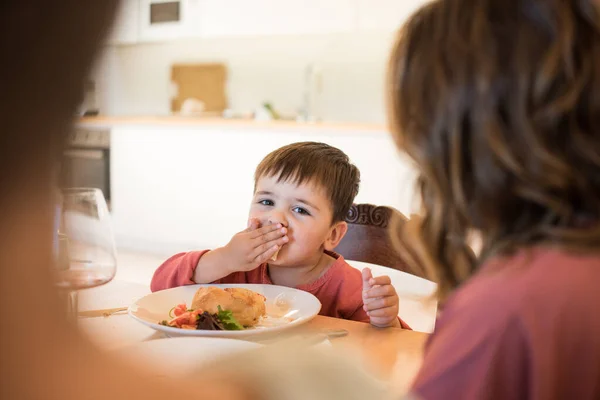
x: 368, y: 238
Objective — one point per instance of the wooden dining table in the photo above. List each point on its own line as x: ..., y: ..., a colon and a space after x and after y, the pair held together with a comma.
x: 392, y: 355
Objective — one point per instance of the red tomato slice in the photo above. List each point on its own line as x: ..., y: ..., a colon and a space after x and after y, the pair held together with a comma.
x: 180, y: 309
x: 181, y: 319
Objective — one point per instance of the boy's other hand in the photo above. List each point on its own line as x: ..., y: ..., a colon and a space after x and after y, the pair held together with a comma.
x: 380, y: 300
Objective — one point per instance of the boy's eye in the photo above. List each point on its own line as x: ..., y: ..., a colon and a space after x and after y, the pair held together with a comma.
x: 266, y: 202
x: 301, y: 210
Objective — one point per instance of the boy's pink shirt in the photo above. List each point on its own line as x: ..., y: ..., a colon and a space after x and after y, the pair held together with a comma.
x: 339, y: 290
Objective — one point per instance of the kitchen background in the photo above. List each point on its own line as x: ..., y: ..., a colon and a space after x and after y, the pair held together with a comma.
x: 169, y: 130
x: 267, y: 47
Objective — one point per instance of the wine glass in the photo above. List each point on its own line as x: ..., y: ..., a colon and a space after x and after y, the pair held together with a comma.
x: 84, y: 243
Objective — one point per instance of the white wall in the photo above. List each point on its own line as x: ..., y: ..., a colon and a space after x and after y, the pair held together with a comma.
x: 108, y: 81
x: 134, y: 79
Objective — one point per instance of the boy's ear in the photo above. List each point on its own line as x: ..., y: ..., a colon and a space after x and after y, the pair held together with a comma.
x: 336, y: 234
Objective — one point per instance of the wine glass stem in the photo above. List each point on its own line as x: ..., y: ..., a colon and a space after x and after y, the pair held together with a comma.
x: 73, y: 304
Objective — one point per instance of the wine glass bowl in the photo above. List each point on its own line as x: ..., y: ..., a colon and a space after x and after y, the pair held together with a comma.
x: 86, y: 254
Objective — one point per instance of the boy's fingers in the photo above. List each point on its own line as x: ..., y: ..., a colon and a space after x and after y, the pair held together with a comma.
x: 270, y: 237
x: 384, y: 312
x: 381, y: 303
x: 256, y: 233
x: 366, y: 276
x: 380, y: 291
x: 380, y: 280
x: 264, y: 256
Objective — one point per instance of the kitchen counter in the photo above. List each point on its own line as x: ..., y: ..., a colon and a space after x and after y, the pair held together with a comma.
x: 234, y: 123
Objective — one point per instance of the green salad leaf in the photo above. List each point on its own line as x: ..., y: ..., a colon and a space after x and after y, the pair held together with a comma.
x: 229, y: 322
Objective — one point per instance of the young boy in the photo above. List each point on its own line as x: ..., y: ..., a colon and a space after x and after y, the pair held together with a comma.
x: 302, y: 193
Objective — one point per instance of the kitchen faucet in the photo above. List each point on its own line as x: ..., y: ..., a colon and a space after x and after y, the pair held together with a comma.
x: 311, y: 87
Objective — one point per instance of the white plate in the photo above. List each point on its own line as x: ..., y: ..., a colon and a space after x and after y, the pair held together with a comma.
x: 183, y: 355
x: 300, y: 307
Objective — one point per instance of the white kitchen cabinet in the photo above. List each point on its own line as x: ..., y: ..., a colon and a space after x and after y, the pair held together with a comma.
x: 126, y: 25
x: 385, y: 15
x: 276, y: 17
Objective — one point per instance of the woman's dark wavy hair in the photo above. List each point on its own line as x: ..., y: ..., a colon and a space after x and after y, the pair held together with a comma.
x: 498, y: 103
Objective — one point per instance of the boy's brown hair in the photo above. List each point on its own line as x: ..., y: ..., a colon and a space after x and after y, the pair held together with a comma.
x: 325, y: 165
x: 498, y: 102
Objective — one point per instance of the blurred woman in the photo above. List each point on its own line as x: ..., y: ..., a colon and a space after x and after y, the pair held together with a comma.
x: 498, y: 103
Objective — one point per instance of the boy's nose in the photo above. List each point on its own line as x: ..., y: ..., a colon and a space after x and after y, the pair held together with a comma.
x: 277, y: 218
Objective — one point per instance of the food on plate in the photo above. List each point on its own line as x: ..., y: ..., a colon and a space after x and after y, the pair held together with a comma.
x: 214, y: 308
x: 246, y: 306
x: 184, y: 318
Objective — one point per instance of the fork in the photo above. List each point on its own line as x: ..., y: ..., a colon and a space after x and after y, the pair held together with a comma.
x: 107, y: 312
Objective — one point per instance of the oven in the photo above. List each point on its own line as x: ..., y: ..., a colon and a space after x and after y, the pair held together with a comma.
x: 86, y: 160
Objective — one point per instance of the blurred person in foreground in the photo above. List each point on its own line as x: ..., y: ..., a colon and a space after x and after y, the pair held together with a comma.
x: 498, y: 103
x: 48, y: 49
